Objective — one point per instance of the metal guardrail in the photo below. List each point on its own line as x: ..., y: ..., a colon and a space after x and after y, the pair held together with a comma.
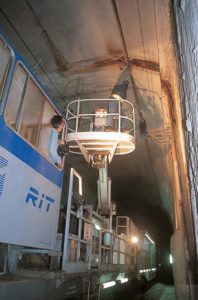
x: 101, y: 251
x: 78, y: 111
x: 92, y: 247
x: 113, y: 251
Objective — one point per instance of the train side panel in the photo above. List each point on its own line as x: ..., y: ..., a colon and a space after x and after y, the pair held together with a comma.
x: 29, y: 204
x: 30, y: 185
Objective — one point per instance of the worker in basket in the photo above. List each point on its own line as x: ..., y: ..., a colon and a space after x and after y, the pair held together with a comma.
x: 119, y: 92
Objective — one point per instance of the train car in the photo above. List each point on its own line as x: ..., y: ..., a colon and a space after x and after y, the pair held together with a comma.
x: 30, y: 184
x: 147, y: 256
x: 145, y: 250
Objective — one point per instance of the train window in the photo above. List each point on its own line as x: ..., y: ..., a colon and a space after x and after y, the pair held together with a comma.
x: 122, y: 221
x: 46, y: 128
x: 29, y: 112
x: 5, y: 60
x: 32, y: 113
x: 15, y: 96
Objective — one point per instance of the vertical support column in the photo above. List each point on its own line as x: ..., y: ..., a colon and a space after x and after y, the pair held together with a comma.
x: 104, y: 190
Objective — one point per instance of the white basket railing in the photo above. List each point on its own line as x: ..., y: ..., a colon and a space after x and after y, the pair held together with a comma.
x: 82, y: 113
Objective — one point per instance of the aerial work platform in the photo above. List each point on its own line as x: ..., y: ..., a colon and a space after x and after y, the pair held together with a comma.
x: 89, y: 133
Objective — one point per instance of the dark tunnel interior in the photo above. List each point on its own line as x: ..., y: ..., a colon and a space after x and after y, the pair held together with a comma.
x: 81, y: 50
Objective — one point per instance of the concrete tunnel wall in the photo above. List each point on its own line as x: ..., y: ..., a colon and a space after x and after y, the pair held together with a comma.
x: 186, y: 21
x: 184, y: 241
x: 178, y: 67
x: 187, y: 37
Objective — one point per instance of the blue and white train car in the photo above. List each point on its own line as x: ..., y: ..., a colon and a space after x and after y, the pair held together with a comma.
x: 30, y: 185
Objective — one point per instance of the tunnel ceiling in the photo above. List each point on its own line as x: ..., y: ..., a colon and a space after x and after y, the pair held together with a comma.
x: 79, y: 49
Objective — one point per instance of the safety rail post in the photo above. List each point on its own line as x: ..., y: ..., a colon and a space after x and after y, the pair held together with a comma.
x: 79, y: 214
x: 77, y: 115
x: 90, y: 248
x: 119, y: 255
x: 128, y: 256
x: 132, y: 256
x: 111, y: 252
x: 65, y: 247
x: 135, y: 256
x: 125, y: 256
x: 93, y: 244
x: 119, y: 119
x: 99, y: 250
x: 69, y: 212
x: 127, y: 253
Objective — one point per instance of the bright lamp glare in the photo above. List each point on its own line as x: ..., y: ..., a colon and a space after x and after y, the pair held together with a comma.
x: 147, y: 270
x: 171, y: 259
x: 97, y: 227
x: 108, y: 284
x: 134, y: 239
x: 148, y: 237
x: 123, y: 280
